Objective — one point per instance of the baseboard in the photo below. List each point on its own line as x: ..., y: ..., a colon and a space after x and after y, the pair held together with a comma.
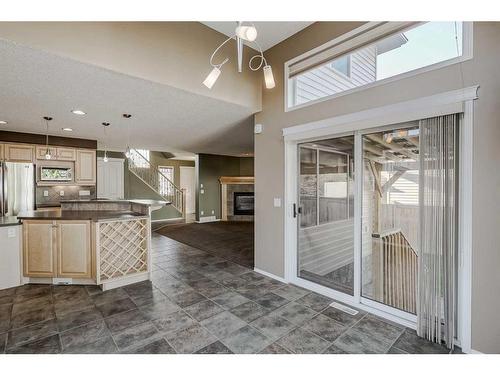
x: 207, y: 219
x: 270, y: 275
x: 180, y: 218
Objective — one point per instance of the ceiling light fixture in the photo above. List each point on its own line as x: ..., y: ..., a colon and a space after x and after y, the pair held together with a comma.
x: 105, y: 158
x: 48, y: 155
x: 2, y: 122
x: 78, y: 112
x: 248, y: 33
x: 67, y: 129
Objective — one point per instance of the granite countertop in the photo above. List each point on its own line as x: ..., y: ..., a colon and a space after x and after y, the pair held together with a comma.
x: 78, y: 215
x: 6, y: 221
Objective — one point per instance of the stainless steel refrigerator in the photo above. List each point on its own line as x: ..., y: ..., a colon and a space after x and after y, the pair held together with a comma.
x: 17, y: 188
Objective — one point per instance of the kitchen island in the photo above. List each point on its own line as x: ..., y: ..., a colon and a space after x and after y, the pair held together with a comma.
x: 96, y: 242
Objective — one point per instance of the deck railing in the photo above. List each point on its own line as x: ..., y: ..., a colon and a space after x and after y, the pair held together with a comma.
x: 395, y: 273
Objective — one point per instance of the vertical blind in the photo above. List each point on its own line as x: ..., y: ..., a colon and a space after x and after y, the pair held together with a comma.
x: 437, y: 285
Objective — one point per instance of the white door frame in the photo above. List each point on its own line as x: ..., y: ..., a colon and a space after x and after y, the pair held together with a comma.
x: 455, y: 101
x: 181, y: 168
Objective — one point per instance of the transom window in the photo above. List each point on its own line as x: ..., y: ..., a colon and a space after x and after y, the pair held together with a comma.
x: 379, y: 52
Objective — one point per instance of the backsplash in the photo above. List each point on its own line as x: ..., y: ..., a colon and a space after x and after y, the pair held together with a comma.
x: 54, y: 194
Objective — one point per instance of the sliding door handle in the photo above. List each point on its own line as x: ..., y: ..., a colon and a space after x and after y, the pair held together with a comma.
x: 296, y: 210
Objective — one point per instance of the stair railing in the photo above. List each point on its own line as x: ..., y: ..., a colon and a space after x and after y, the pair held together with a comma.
x: 150, y: 174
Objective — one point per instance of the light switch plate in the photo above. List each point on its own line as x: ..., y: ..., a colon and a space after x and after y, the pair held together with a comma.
x: 84, y: 193
x: 11, y: 232
x: 277, y: 202
x: 202, y: 191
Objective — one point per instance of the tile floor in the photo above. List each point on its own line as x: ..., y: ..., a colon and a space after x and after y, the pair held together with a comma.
x: 196, y: 303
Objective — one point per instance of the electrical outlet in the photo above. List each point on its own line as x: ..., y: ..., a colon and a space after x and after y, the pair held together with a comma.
x: 84, y: 193
x: 202, y: 213
x: 213, y: 212
x: 45, y: 193
x: 61, y: 193
x: 202, y: 191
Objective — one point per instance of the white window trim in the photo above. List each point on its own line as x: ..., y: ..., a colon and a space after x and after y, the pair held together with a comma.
x: 372, y: 31
x: 461, y: 100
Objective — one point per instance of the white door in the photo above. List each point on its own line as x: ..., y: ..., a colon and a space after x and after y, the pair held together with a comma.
x: 110, y: 177
x: 187, y: 181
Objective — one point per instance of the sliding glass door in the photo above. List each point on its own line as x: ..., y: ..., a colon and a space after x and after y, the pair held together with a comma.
x: 390, y: 217
x: 384, y: 269
x: 326, y: 220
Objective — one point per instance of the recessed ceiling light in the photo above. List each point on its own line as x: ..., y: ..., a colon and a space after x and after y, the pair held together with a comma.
x: 78, y: 112
x: 67, y: 129
x: 2, y: 122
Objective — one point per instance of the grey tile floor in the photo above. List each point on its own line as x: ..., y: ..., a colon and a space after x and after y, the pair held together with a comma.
x: 195, y: 303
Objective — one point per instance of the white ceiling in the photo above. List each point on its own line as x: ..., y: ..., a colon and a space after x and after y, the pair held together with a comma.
x: 268, y: 33
x: 34, y: 83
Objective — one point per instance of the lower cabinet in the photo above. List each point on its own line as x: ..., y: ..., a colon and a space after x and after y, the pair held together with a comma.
x: 73, y: 249
x: 39, y: 250
x: 57, y: 248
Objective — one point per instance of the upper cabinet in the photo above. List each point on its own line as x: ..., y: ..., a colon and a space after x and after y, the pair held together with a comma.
x: 68, y: 154
x: 42, y: 150
x: 57, y: 153
x: 19, y: 153
x: 85, y: 167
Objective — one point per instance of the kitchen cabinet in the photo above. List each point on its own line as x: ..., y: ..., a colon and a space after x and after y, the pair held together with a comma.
x: 57, y: 248
x: 57, y: 153
x: 42, y: 150
x: 1, y: 152
x: 85, y: 167
x: 18, y: 153
x: 68, y: 154
x: 39, y: 250
x: 73, y: 249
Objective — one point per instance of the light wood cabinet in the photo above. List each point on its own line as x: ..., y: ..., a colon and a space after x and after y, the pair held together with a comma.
x: 18, y: 153
x: 85, y: 167
x: 42, y: 150
x: 68, y: 154
x: 58, y: 153
x: 60, y: 248
x: 73, y: 249
x: 39, y: 258
x: 1, y: 152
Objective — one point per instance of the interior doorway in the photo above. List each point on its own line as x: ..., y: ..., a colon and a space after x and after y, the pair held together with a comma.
x: 188, y: 182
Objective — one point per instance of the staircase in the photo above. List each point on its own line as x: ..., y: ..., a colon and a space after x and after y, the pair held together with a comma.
x: 157, y: 181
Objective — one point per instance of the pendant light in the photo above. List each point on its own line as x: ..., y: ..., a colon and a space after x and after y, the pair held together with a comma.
x: 241, y: 33
x: 48, y: 154
x: 105, y: 158
x: 127, y: 150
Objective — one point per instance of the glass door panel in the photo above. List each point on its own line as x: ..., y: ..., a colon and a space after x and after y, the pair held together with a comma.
x: 326, y: 223
x: 390, y: 217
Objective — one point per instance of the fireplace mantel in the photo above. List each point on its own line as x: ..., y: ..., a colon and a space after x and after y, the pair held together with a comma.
x: 231, y: 180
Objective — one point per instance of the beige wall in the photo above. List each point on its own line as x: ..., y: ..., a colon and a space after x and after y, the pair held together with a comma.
x: 172, y: 53
x: 482, y: 70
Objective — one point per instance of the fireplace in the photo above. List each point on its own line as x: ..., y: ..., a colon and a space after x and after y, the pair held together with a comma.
x: 243, y: 203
